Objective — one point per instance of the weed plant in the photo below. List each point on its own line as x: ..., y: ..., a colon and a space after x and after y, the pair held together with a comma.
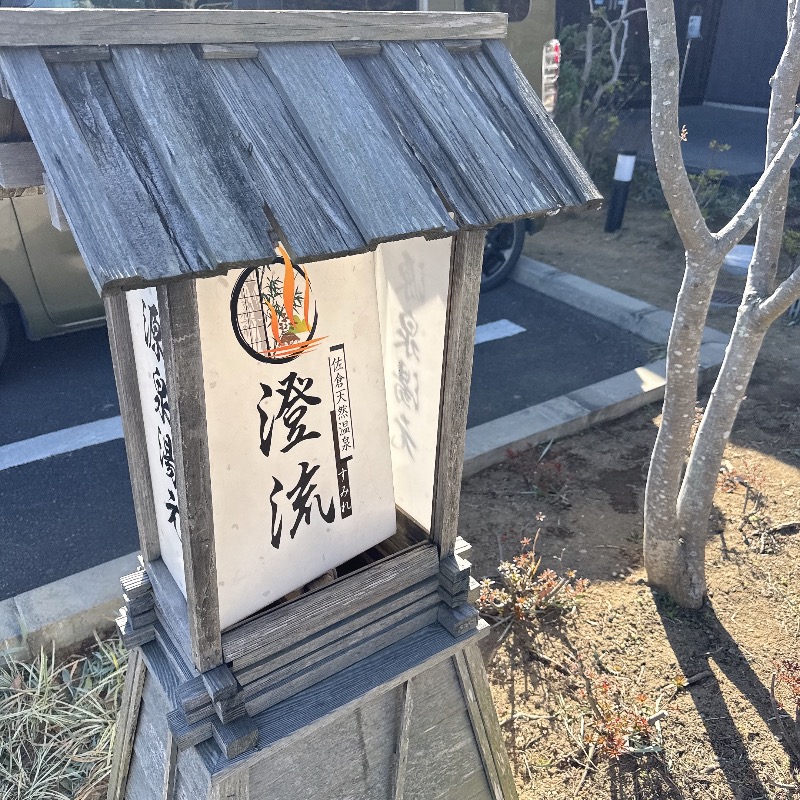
x: 524, y: 593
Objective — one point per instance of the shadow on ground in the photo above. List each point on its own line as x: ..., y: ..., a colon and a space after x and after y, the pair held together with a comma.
x: 700, y: 641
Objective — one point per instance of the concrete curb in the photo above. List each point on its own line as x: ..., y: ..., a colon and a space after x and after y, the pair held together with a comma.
x: 68, y: 611
x: 65, y: 612
x: 489, y: 443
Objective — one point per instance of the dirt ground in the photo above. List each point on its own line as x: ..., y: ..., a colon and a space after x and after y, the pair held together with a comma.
x: 719, y: 738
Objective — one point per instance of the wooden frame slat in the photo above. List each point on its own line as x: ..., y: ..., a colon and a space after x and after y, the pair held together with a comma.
x: 402, y: 741
x: 462, y: 313
x: 184, y: 371
x: 472, y: 674
x: 126, y: 725
x: 62, y: 27
x: 20, y: 165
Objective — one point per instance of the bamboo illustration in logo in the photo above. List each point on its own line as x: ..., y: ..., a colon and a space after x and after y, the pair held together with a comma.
x: 273, y: 311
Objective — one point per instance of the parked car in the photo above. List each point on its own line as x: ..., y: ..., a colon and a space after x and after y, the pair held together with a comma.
x: 43, y: 279
x: 502, y: 249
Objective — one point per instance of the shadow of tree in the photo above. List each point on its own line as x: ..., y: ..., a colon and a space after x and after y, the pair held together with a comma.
x: 644, y: 778
x: 699, y: 638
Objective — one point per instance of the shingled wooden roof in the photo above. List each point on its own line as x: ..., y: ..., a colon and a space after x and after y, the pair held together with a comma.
x: 173, y: 152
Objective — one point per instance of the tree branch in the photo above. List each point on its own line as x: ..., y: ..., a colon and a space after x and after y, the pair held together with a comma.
x: 751, y: 209
x: 779, y: 301
x: 665, y: 130
x: 764, y: 264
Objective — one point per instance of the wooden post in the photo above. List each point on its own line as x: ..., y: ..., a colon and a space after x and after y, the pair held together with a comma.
x: 462, y: 313
x: 184, y: 372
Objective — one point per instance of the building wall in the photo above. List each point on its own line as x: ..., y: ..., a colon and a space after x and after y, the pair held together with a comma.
x: 750, y: 37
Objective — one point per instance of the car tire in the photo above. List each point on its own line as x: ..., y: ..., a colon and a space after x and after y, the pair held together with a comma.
x: 501, y: 251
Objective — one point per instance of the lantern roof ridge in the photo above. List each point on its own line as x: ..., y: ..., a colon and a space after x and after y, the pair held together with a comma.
x: 202, y: 147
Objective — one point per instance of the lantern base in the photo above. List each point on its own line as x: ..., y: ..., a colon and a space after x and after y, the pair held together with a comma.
x: 412, y: 720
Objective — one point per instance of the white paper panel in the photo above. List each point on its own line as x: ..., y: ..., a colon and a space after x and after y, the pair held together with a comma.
x: 413, y: 278
x: 294, y: 493
x: 149, y: 356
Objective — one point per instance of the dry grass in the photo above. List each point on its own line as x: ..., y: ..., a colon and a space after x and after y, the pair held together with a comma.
x: 57, y: 724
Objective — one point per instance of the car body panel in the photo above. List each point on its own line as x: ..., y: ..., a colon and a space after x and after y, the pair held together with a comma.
x: 42, y: 270
x: 67, y: 291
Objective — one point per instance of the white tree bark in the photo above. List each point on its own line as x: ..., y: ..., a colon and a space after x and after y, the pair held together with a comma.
x: 682, y: 476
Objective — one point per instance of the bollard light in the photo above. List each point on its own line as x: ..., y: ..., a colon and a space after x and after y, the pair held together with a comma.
x: 623, y: 174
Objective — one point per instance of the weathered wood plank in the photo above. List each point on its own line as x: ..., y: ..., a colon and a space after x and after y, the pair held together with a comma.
x: 20, y: 165
x: 187, y: 126
x: 463, y: 45
x: 66, y: 55
x: 116, y: 137
x: 8, y: 108
x: 547, y: 168
x: 302, y: 205
x: 222, y: 51
x: 234, y: 787
x: 484, y: 706
x: 400, y: 602
x: 374, y: 179
x: 458, y: 620
x: 40, y: 27
x: 149, y: 759
x: 171, y: 606
x: 184, y: 371
x: 443, y: 754
x: 404, y: 123
x: 498, y: 179
x: 136, y: 584
x: 334, y: 698
x: 126, y: 725
x: 120, y: 229
x: 161, y: 669
x: 194, y: 779
x: 361, y: 640
x: 360, y: 769
x: 186, y: 733
x: 351, y: 49
x: 119, y: 334
x: 409, y: 527
x: 463, y: 547
x: 171, y: 767
x: 462, y: 313
x: 478, y: 726
x: 220, y: 683
x: 413, y: 129
x: 314, y: 612
x: 402, y: 740
x: 268, y: 691
x: 180, y: 663
x: 527, y: 97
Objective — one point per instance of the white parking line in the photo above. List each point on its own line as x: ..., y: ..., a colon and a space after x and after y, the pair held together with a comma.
x: 59, y: 442
x: 496, y: 330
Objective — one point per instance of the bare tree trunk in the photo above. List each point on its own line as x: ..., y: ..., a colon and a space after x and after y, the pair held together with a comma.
x: 683, y: 475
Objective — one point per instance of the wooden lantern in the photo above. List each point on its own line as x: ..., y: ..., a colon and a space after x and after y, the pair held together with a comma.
x: 285, y: 214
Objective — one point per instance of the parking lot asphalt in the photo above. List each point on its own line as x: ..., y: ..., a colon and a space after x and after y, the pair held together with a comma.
x: 65, y: 497
x: 67, y: 512
x: 559, y: 349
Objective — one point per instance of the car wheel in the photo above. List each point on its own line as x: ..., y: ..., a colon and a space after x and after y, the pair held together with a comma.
x: 501, y: 251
